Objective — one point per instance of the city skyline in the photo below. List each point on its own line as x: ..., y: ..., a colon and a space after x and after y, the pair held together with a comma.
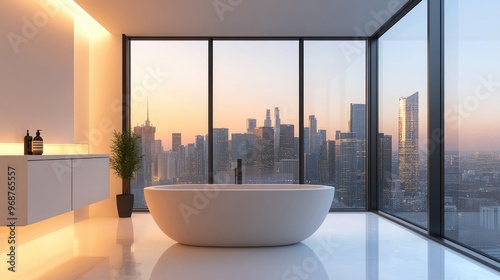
x: 270, y: 154
x: 339, y: 162
x: 167, y: 140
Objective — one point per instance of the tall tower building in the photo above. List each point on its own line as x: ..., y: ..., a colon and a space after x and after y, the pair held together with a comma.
x: 251, y: 124
x: 313, y: 130
x: 287, y: 142
x: 176, y: 141
x: 242, y: 147
x: 326, y: 162
x: 357, y: 122
x: 306, y: 140
x: 190, y: 163
x: 264, y: 149
x: 221, y: 150
x: 408, y: 144
x: 176, y: 154
x: 267, y: 121
x: 201, y: 167
x: 157, y: 150
x: 349, y: 178
x: 181, y: 162
x: 321, y: 136
x: 384, y: 167
x: 277, y: 123
x: 144, y: 176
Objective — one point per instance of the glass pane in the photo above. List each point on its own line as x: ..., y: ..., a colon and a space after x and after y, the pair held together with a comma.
x: 335, y: 119
x: 169, y: 109
x: 472, y: 146
x: 256, y: 86
x: 402, y: 158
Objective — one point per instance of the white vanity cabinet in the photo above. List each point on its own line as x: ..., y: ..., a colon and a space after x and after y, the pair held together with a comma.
x: 34, y: 188
x: 90, y: 181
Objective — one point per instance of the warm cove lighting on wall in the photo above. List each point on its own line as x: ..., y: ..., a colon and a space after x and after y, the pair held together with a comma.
x: 14, y: 149
x: 81, y: 16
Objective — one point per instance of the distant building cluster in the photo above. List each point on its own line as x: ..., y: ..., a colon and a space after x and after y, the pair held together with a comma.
x: 269, y: 154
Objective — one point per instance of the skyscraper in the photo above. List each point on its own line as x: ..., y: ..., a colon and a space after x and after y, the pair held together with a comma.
x: 251, y: 124
x: 267, y: 121
x: 313, y: 129
x: 264, y: 149
x: 326, y: 161
x: 176, y: 141
x: 144, y: 176
x: 287, y: 142
x: 357, y: 122
x: 277, y: 123
x: 181, y: 163
x: 311, y: 167
x: 242, y: 147
x: 321, y: 138
x: 306, y: 140
x: 200, y: 159
x: 408, y: 144
x: 221, y: 150
x: 350, y: 180
x: 157, y: 150
x: 384, y: 168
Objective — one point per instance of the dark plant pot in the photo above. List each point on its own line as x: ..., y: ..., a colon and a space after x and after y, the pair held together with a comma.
x: 124, y: 204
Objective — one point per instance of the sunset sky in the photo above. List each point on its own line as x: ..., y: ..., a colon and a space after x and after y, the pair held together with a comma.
x: 249, y: 77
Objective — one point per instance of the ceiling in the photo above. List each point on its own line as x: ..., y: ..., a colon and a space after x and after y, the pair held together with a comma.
x: 332, y: 18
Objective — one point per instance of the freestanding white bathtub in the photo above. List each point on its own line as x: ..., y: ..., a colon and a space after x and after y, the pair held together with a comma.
x: 239, y: 215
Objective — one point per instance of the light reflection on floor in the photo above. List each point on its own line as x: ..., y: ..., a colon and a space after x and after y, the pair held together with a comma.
x: 347, y: 246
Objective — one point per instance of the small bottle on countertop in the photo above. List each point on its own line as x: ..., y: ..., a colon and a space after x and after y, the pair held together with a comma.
x: 27, y: 143
x: 37, y: 144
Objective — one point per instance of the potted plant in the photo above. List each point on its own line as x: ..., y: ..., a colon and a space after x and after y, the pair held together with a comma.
x: 125, y: 159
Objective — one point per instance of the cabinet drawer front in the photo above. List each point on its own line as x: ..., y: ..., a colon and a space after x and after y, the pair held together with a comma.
x: 49, y: 189
x: 90, y: 181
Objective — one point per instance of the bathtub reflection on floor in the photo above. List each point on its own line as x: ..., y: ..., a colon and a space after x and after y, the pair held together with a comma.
x: 295, y: 261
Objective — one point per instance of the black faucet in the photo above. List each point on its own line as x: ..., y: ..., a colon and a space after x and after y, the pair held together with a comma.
x: 238, y: 174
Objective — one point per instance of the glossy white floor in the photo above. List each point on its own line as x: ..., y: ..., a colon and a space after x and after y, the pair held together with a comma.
x: 347, y: 246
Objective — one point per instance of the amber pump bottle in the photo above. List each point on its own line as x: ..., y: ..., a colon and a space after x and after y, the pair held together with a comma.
x: 37, y: 146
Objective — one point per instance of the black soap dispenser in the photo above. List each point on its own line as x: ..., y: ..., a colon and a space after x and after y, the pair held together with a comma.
x: 27, y: 143
x: 37, y: 144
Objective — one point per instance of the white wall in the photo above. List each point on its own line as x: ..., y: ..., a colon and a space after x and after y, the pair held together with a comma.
x: 36, y: 71
x: 61, y: 72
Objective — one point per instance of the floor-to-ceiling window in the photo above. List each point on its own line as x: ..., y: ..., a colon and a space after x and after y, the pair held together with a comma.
x: 256, y: 110
x: 472, y: 129
x: 402, y: 138
x: 169, y: 108
x: 255, y: 104
x: 335, y: 118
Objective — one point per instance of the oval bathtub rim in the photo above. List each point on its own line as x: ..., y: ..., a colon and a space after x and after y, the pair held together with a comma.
x: 239, y: 187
